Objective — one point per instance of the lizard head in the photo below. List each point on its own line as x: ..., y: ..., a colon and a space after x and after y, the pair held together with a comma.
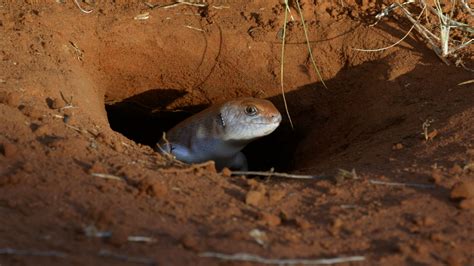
x: 248, y: 118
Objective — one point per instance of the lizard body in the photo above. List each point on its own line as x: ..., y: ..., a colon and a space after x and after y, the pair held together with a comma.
x: 220, y: 132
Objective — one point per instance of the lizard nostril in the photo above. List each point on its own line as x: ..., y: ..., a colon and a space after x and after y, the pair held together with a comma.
x: 276, y: 118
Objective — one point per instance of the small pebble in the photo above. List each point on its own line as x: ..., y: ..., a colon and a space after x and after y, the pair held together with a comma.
x: 397, y: 146
x: 226, y: 172
x: 303, y: 223
x: 153, y: 187
x: 437, y: 175
x: 270, y: 219
x: 456, y: 170
x: 463, y: 190
x: 9, y: 150
x: 97, y: 168
x: 14, y: 99
x: 276, y: 195
x: 467, y: 204
x: 254, y: 198
x: 453, y: 261
x: 190, y: 242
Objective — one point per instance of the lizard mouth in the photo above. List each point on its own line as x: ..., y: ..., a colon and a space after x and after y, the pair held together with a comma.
x: 268, y: 123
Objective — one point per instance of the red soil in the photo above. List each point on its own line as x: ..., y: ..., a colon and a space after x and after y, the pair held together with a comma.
x: 369, y: 119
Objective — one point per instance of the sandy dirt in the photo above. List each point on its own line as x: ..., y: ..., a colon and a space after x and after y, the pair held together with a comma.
x: 84, y: 97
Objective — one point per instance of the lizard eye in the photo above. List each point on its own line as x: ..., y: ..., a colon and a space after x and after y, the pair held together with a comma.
x: 251, y: 110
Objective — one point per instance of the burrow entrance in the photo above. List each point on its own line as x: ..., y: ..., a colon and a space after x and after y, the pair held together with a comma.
x: 143, y: 118
x: 354, y: 124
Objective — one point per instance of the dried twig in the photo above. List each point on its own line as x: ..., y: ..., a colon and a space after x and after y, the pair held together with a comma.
x: 396, y: 184
x: 220, y: 7
x: 466, y: 82
x: 142, y: 260
x: 426, y: 34
x: 441, y: 45
x: 79, y: 53
x: 282, y: 64
x: 108, y: 176
x: 175, y: 4
x: 271, y: 173
x: 21, y: 252
x: 92, y: 231
x: 194, y: 28
x: 82, y: 9
x: 386, y: 11
x: 74, y: 128
x: 343, y: 174
x: 259, y: 236
x: 142, y: 16
x: 166, y: 151
x: 386, y: 47
x: 289, y: 12
x: 382, y: 14
x: 254, y: 258
x: 425, y: 126
x: 460, y: 63
x: 144, y: 239
x: 68, y: 102
x: 466, y: 6
x: 305, y: 30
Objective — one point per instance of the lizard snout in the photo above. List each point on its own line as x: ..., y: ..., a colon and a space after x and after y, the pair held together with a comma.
x: 276, y: 118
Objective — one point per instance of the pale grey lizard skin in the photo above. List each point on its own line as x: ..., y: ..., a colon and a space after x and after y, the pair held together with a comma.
x: 220, y: 132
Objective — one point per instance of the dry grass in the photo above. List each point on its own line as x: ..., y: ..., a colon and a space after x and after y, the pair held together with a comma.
x: 282, y: 72
x: 439, y: 24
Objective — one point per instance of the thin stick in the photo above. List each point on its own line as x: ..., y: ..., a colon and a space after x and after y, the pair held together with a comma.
x: 254, y: 258
x: 166, y: 153
x: 190, y: 3
x: 107, y: 176
x: 305, y: 30
x: 92, y: 231
x: 180, y: 2
x: 396, y: 43
x: 466, y: 6
x: 270, y: 173
x: 466, y: 82
x: 426, y: 126
x: 425, y: 33
x: 74, y: 128
x: 283, y: 63
x: 193, y: 28
x: 378, y: 182
x: 20, y: 252
x: 220, y: 7
x: 82, y: 9
x: 145, y: 239
x: 387, y: 47
x: 289, y: 11
x: 143, y: 16
x: 461, y: 46
x: 68, y: 102
x: 465, y: 68
x: 444, y: 28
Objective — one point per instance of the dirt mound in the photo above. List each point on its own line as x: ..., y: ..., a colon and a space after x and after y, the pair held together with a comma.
x: 83, y: 97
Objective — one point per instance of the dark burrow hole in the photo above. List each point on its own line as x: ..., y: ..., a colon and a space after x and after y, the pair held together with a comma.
x: 144, y: 124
